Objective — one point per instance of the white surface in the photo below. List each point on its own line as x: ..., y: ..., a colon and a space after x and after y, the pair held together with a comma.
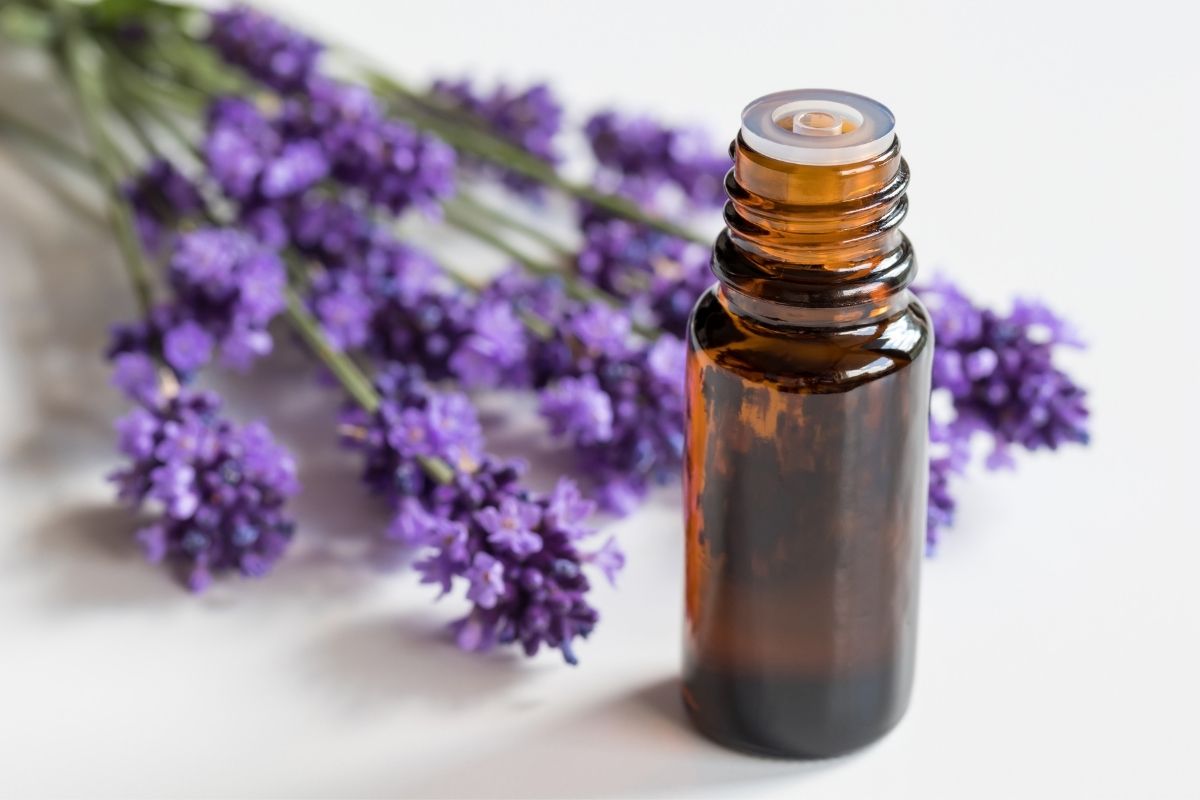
x: 1059, y: 631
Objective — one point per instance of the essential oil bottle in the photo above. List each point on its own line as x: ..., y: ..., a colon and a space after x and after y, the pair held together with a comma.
x: 808, y: 386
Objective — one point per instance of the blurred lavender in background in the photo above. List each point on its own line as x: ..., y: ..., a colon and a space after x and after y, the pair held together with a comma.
x: 283, y: 207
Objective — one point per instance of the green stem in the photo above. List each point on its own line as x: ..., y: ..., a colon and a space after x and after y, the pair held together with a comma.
x: 168, y: 85
x: 349, y: 375
x: 574, y: 288
x: 105, y: 156
x: 457, y: 219
x: 482, y: 209
x: 135, y: 88
x: 134, y: 126
x: 51, y: 145
x: 463, y: 131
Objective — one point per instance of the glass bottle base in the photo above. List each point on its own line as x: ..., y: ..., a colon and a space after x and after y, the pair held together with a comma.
x: 795, y: 718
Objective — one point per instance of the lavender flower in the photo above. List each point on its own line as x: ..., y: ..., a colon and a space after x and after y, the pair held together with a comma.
x: 252, y: 160
x: 325, y: 128
x: 641, y: 158
x: 529, y: 118
x: 617, y: 398
x: 393, y: 300
x: 228, y: 286
x: 391, y: 163
x: 160, y: 196
x: 269, y: 51
x: 220, y: 488
x: 1000, y: 371
x: 518, y: 552
x: 949, y: 454
x: 661, y: 275
x: 578, y: 408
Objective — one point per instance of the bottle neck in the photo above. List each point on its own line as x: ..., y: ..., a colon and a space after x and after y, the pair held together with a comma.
x: 815, y: 245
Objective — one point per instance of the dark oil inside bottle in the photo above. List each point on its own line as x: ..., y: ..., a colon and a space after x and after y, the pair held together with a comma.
x: 806, y: 469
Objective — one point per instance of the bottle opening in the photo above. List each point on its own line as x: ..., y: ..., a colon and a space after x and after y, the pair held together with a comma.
x: 818, y: 123
x: 818, y: 126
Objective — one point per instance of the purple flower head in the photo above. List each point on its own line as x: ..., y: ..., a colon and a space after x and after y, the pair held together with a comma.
x: 160, y: 196
x: 269, y: 51
x: 393, y: 300
x: 529, y: 118
x: 566, y: 509
x: 413, y: 421
x: 518, y: 553
x: 511, y: 526
x: 580, y: 408
x: 299, y: 165
x: 253, y: 160
x: 187, y: 347
x: 486, y: 577
x: 135, y: 374
x: 392, y: 164
x: 661, y: 276
x: 239, y: 144
x: 493, y: 353
x: 616, y: 397
x: 1002, y: 374
x: 600, y: 330
x: 221, y: 488
x: 641, y: 158
x: 227, y: 289
x: 540, y: 596
x: 344, y: 310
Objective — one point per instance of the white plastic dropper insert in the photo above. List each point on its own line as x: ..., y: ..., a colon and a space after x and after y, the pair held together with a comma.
x: 818, y: 127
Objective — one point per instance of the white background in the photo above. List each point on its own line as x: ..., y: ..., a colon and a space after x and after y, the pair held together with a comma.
x: 1054, y: 152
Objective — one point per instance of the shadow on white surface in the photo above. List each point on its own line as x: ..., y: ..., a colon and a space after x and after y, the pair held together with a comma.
x: 376, y: 666
x: 634, y: 744
x: 90, y: 561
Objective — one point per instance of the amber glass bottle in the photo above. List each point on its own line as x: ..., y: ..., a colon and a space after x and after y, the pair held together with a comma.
x: 808, y: 393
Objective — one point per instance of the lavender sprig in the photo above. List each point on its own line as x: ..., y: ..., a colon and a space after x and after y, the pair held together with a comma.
x: 518, y: 552
x: 221, y: 488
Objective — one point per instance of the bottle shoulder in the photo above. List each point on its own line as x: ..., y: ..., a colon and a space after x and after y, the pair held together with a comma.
x: 804, y: 358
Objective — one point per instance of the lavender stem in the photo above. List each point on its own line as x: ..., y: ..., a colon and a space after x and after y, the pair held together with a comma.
x: 574, y: 288
x: 482, y: 209
x: 90, y: 99
x: 356, y: 384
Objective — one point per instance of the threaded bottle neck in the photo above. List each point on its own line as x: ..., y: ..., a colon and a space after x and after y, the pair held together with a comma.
x: 814, y: 236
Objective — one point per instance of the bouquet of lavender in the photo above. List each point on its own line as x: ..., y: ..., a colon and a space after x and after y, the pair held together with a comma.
x: 253, y: 181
